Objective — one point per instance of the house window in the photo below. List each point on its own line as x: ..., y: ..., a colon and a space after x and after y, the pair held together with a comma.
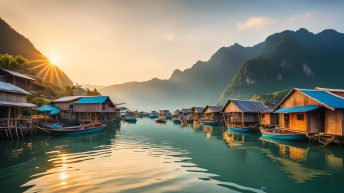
x: 103, y: 106
x: 263, y: 116
x: 300, y: 117
x: 71, y: 107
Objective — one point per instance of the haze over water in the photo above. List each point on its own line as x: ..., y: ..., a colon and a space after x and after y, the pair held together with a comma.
x: 150, y: 157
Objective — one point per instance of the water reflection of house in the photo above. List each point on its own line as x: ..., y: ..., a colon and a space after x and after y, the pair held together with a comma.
x: 290, y: 159
x: 208, y: 130
x: 312, y: 111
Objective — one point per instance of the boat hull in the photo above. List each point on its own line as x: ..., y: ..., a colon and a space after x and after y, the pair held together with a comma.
x: 290, y: 137
x: 244, y: 129
x: 76, y: 131
x: 213, y: 123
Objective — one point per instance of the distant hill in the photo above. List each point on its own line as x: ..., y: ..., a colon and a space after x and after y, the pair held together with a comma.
x: 196, y: 86
x: 291, y: 59
x: 11, y: 42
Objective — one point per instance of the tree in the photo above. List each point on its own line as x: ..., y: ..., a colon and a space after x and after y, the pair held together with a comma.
x: 92, y: 93
x: 17, y: 63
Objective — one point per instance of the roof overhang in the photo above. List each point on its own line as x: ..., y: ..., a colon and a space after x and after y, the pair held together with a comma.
x: 298, y: 109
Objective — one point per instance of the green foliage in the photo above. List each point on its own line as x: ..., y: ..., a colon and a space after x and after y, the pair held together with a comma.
x: 93, y: 92
x: 38, y: 100
x: 17, y: 63
x: 274, y: 97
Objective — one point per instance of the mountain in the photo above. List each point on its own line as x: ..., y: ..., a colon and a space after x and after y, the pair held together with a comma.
x: 291, y: 59
x: 197, y: 86
x: 11, y: 42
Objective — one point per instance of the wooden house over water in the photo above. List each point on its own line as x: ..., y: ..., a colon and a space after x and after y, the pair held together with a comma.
x: 269, y: 119
x: 65, y: 106
x: 24, y: 81
x: 313, y: 112
x: 83, y: 108
x: 15, y: 112
x: 197, y: 113
x: 212, y: 115
x: 94, y: 108
x: 245, y: 115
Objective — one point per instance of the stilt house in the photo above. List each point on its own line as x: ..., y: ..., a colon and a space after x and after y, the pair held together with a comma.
x: 245, y: 113
x: 312, y: 111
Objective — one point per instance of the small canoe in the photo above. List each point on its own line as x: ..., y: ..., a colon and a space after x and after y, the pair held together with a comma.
x: 282, y: 134
x: 74, y: 130
x: 130, y: 119
x: 214, y: 123
x: 244, y: 129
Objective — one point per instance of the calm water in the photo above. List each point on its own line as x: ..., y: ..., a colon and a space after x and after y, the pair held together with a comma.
x: 148, y: 157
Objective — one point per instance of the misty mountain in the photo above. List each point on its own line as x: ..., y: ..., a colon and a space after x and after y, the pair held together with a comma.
x: 196, y: 86
x: 11, y: 42
x: 291, y: 59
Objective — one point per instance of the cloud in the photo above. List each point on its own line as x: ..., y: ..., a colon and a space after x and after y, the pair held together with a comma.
x: 169, y: 37
x: 254, y: 22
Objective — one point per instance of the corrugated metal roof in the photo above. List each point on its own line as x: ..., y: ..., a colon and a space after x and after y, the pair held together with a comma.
x: 297, y: 109
x: 92, y: 100
x: 250, y: 106
x: 214, y: 109
x: 18, y: 74
x: 52, y: 110
x: 67, y: 99
x: 8, y: 103
x: 198, y: 109
x: 185, y: 111
x: 11, y: 88
x: 325, y: 98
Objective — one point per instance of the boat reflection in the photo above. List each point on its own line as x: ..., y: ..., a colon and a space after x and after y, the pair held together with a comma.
x: 290, y: 157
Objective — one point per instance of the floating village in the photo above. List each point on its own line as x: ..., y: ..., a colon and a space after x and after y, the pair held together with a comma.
x: 304, y: 114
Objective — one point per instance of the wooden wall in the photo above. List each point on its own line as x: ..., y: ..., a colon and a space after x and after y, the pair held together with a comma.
x: 64, y: 106
x: 12, y: 97
x: 334, y: 122
x: 231, y: 108
x: 93, y: 108
x: 298, y: 99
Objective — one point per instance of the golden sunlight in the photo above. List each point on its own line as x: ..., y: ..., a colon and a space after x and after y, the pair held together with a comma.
x: 53, y: 58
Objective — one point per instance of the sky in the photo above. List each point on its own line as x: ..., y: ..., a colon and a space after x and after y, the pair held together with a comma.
x: 106, y: 42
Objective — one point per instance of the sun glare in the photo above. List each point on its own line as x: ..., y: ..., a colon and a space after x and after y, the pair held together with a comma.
x: 53, y: 58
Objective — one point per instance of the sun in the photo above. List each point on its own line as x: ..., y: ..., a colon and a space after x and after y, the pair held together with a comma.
x: 53, y: 58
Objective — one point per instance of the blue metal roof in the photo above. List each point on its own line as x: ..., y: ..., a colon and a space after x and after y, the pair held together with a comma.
x: 298, y: 109
x: 92, y: 100
x: 52, y: 110
x: 325, y: 98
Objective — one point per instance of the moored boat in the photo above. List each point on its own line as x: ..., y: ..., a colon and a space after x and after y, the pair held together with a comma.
x: 74, y: 130
x: 161, y: 120
x: 243, y: 129
x: 282, y: 134
x: 130, y: 119
x: 209, y: 122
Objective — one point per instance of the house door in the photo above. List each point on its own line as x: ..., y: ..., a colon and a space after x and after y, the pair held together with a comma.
x: 286, y: 120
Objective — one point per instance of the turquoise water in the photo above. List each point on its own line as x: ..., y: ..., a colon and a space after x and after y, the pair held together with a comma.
x: 150, y: 157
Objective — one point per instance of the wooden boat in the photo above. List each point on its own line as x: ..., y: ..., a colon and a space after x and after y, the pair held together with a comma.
x: 130, y: 119
x: 75, y: 130
x: 177, y: 121
x: 282, y: 134
x: 244, y: 129
x: 161, y: 120
x: 208, y: 122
